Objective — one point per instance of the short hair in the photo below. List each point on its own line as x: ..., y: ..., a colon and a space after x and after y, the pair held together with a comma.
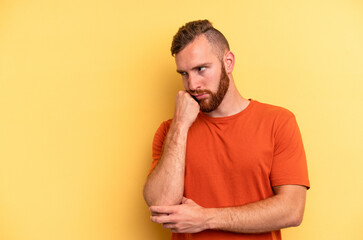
x: 191, y: 30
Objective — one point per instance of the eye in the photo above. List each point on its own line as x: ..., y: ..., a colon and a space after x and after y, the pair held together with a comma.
x: 183, y: 74
x: 201, y: 69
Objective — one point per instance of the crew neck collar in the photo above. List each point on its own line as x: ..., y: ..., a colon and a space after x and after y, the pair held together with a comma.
x: 227, y: 118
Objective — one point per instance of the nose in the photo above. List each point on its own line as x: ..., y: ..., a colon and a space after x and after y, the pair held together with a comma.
x: 193, y: 82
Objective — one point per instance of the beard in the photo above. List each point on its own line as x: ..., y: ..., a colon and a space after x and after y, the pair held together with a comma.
x: 212, y: 102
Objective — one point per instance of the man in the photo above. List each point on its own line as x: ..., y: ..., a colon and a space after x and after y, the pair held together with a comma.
x: 224, y: 167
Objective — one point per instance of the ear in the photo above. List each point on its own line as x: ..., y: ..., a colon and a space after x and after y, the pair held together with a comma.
x: 229, y: 62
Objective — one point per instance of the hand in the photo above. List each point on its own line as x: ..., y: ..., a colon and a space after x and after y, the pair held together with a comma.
x: 186, y: 109
x: 187, y: 217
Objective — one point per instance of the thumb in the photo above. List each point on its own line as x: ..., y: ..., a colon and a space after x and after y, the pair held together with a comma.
x: 187, y: 201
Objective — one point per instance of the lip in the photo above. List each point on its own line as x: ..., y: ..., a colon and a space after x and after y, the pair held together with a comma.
x: 200, y: 96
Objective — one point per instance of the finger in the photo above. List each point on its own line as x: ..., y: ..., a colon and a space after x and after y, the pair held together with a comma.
x: 186, y: 94
x: 159, y: 214
x: 169, y: 225
x: 187, y: 201
x: 161, y: 219
x: 161, y: 210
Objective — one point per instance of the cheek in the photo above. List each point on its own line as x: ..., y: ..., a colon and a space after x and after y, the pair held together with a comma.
x: 212, y: 83
x: 185, y: 83
x: 213, y: 77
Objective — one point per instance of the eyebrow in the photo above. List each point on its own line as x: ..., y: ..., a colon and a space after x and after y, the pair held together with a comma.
x: 196, y: 67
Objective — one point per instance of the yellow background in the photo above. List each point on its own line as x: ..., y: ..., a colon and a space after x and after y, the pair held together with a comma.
x: 85, y: 84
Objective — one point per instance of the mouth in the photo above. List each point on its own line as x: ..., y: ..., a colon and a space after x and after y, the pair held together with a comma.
x: 200, y: 96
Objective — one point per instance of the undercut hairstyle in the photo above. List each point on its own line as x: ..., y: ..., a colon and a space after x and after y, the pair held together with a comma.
x: 191, y: 30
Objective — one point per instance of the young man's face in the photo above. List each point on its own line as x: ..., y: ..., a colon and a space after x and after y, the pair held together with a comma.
x: 203, y: 73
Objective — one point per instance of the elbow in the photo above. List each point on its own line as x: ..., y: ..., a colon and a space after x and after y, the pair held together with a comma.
x: 293, y: 204
x: 296, y: 218
x: 293, y: 215
x: 296, y: 221
x: 160, y: 200
x: 148, y: 199
x: 146, y: 196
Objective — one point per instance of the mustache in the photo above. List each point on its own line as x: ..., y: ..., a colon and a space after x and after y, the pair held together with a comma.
x: 199, y: 91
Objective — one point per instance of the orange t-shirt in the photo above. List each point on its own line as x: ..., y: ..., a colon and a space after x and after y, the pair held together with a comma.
x: 236, y: 160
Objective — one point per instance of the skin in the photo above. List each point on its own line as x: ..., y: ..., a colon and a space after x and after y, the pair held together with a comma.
x: 200, y: 68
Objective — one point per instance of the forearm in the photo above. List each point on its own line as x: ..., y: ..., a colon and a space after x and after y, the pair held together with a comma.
x: 276, y: 212
x: 165, y: 184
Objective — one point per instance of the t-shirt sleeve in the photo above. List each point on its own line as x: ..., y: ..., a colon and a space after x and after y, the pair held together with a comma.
x: 158, y: 142
x: 289, y: 161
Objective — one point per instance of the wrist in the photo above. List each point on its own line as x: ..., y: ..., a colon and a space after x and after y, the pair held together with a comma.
x: 180, y: 126
x: 210, y: 216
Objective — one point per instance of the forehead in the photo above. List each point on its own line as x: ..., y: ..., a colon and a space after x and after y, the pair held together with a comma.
x: 198, y: 52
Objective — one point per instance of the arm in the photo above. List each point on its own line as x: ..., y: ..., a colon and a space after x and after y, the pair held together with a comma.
x: 165, y: 184
x: 284, y: 209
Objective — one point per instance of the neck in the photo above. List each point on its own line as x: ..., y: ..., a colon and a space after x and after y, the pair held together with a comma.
x: 232, y: 103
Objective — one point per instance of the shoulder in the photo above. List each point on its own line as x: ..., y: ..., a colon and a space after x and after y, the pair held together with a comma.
x: 272, y: 111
